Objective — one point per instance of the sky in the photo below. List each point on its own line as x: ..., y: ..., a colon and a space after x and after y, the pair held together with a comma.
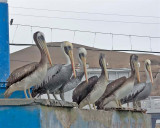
x: 130, y: 17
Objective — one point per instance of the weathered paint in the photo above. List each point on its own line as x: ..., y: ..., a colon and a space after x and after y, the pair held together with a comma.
x: 76, y: 118
x: 41, y: 116
x: 4, y: 41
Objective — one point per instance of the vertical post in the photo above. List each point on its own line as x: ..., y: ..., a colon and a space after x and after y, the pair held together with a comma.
x: 153, y: 122
x: 4, y: 49
x: 4, y: 41
x: 112, y: 40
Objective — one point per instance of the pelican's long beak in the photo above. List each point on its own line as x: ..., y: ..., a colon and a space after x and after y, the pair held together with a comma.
x: 136, y: 65
x: 70, y: 52
x: 85, y: 68
x: 47, y: 53
x: 105, y: 68
x: 150, y: 74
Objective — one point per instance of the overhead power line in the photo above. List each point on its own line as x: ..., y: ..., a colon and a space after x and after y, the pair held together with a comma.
x: 79, y: 19
x: 93, y: 32
x: 91, y: 13
x: 49, y: 45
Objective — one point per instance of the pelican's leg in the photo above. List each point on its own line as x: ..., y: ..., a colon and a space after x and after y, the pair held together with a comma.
x: 37, y: 96
x: 55, y: 101
x: 133, y: 104
x: 139, y: 104
x: 120, y: 103
x: 117, y: 102
x: 49, y: 98
x: 94, y: 106
x: 25, y: 94
x: 54, y: 96
x: 29, y: 93
x: 48, y: 95
x: 136, y: 105
x: 62, y: 96
x: 89, y: 106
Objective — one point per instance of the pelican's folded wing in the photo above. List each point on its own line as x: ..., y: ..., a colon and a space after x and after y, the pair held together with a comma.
x: 20, y: 73
x: 51, y: 72
x: 82, y: 90
x: 138, y: 88
x: 111, y: 87
x: 72, y: 83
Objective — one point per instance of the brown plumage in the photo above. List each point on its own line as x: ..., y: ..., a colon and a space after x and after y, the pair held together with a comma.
x: 31, y: 74
x: 111, y: 87
x: 125, y: 87
x: 99, y: 87
x: 82, y: 90
x: 20, y: 73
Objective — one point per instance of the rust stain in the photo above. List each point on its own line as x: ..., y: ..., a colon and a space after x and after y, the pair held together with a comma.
x: 67, y: 116
x: 100, y: 118
x: 103, y: 117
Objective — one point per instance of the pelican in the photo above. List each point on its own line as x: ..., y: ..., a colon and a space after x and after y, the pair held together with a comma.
x: 142, y: 90
x: 74, y: 82
x: 111, y: 87
x: 82, y: 90
x: 31, y: 74
x: 99, y: 88
x: 54, y: 81
x: 123, y: 89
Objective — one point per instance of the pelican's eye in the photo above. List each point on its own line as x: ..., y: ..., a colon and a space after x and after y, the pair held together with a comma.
x: 147, y: 65
x: 66, y: 50
x: 69, y: 47
x: 81, y: 55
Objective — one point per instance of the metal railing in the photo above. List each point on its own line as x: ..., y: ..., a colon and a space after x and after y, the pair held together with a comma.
x: 151, y: 104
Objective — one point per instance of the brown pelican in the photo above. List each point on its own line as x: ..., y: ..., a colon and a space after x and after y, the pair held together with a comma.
x: 123, y: 89
x: 142, y: 90
x: 99, y: 88
x: 82, y: 90
x: 84, y: 87
x: 111, y: 87
x: 53, y: 81
x: 31, y: 74
x: 74, y: 82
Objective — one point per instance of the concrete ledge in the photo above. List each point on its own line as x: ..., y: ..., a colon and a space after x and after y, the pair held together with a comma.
x: 82, y: 118
x: 22, y: 113
x: 44, y: 102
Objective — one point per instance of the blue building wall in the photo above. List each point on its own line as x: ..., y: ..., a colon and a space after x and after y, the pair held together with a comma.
x: 4, y: 42
x: 19, y: 117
